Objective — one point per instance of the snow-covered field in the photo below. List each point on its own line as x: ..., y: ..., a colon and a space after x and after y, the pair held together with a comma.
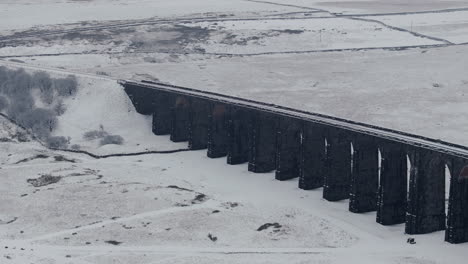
x: 24, y: 14
x: 398, y: 64
x: 182, y: 208
x: 453, y: 28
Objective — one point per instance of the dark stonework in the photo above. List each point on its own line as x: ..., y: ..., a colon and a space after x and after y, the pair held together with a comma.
x: 364, y: 175
x: 199, y: 122
x: 426, y: 198
x: 312, y: 161
x: 238, y: 135
x: 218, y: 130
x: 262, y: 135
x: 391, y: 200
x: 338, y: 165
x: 288, y: 151
x: 180, y: 119
x: 162, y: 113
x: 143, y: 98
x: 457, y: 221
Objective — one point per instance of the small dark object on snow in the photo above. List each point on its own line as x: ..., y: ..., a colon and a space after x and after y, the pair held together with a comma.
x: 44, y: 180
x: 12, y: 220
x: 39, y: 156
x: 113, y: 242
x: 62, y: 158
x: 411, y: 241
x: 232, y: 204
x: 179, y: 188
x: 268, y: 225
x: 215, y: 212
x: 111, y: 139
x: 212, y: 238
x: 199, y: 198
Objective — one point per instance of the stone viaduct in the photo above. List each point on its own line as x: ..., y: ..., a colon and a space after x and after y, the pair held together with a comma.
x: 399, y: 175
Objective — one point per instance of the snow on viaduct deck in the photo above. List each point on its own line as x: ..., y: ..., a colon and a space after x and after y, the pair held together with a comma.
x: 364, y: 163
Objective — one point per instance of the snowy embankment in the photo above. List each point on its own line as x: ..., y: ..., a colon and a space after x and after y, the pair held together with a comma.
x: 95, y: 116
x: 101, y: 103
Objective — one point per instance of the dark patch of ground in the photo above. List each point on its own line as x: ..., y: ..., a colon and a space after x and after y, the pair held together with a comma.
x: 113, y: 242
x: 212, y: 238
x: 179, y: 188
x: 16, y: 60
x: 62, y: 158
x: 268, y: 225
x: 181, y: 37
x: 38, y: 156
x: 200, y: 198
x: 229, y: 205
x: 44, y: 180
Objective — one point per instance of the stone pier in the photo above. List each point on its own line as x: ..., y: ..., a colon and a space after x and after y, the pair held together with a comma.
x: 288, y: 152
x: 457, y: 220
x: 262, y: 156
x: 238, y: 135
x: 198, y: 125
x: 162, y: 113
x: 338, y: 165
x: 180, y: 119
x: 426, y: 197
x: 391, y: 199
x: 312, y: 160
x: 364, y: 175
x: 218, y: 130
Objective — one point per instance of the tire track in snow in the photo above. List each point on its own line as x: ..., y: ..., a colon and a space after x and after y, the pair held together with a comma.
x: 207, y: 204
x: 388, y: 48
x: 287, y: 5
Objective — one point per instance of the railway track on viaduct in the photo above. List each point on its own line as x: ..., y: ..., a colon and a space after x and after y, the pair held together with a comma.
x: 351, y: 160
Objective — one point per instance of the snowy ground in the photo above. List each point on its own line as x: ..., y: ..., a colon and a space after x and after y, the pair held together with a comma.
x: 344, y: 58
x: 164, y: 208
